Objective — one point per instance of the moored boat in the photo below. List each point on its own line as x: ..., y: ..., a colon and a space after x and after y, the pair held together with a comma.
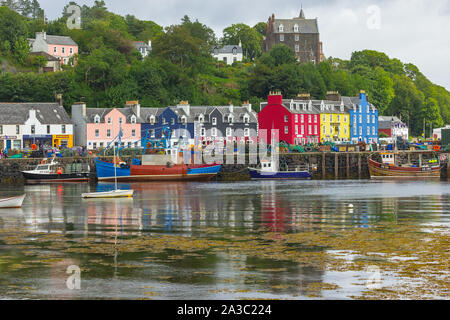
x: 108, y: 194
x: 12, y: 202
x: 51, y: 170
x: 269, y: 171
x: 389, y: 167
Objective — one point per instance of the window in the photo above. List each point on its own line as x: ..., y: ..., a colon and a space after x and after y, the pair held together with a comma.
x: 309, y: 130
x: 373, y: 131
x: 281, y: 28
x: 360, y: 108
x: 296, y: 28
x: 354, y: 130
x: 133, y: 119
x: 33, y: 129
x: 281, y: 37
x: 297, y: 48
x: 152, y: 133
x: 17, y: 129
x: 229, y: 132
x: 345, y: 118
x: 324, y: 118
x: 164, y: 121
x: 246, y: 119
x: 286, y: 118
x: 234, y: 51
x: 133, y: 133
x: 71, y: 50
x: 354, y: 119
x: 338, y: 118
x: 296, y: 129
x: 246, y: 132
x: 309, y: 118
x: 214, y: 132
x: 97, y: 119
x: 214, y: 121
x: 373, y: 118
x: 172, y: 121
x: 63, y: 50
x: 315, y: 118
x: 108, y: 133
x: 54, y: 50
x: 286, y: 130
x: 152, y: 120
x: 368, y: 109
x: 101, y: 144
x: 94, y: 145
x: 63, y: 129
x: 297, y: 37
x: 97, y: 133
x: 1, y: 129
x: 230, y: 119
x: 324, y: 130
x: 368, y: 131
x: 345, y: 130
x: 301, y: 118
x: 331, y: 118
x: 201, y: 119
x: 368, y: 118
x: 202, y: 132
x: 120, y: 120
x: 296, y: 118
x: 303, y: 129
x: 360, y: 118
x: 360, y: 130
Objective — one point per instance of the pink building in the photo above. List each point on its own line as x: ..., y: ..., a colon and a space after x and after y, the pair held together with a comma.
x: 60, y: 47
x: 96, y: 127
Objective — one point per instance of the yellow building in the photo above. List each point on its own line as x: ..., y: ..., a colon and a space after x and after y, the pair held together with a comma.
x: 64, y: 140
x: 334, y: 122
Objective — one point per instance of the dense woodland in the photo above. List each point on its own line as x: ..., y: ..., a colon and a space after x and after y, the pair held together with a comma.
x: 109, y: 71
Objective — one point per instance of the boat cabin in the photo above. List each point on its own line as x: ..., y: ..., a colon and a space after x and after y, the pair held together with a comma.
x: 388, y: 158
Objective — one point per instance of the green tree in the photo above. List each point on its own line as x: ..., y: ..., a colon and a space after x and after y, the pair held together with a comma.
x: 261, y: 27
x: 250, y: 38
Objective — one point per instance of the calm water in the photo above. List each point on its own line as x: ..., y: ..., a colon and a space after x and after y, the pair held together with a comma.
x: 212, y: 240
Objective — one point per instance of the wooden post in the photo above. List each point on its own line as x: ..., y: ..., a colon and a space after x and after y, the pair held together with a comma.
x: 348, y: 165
x: 323, y: 165
x: 336, y: 165
x: 359, y: 165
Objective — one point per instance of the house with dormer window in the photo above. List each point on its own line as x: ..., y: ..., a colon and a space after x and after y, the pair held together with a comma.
x: 229, y: 53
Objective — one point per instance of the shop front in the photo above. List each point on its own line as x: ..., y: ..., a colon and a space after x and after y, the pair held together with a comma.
x: 63, y: 141
x: 40, y: 140
x: 10, y: 142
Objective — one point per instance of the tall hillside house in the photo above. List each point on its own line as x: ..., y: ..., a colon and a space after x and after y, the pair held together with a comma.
x: 363, y: 119
x: 297, y: 121
x: 393, y: 127
x: 229, y: 53
x: 96, y: 127
x: 60, y: 47
x: 46, y: 125
x: 299, y: 33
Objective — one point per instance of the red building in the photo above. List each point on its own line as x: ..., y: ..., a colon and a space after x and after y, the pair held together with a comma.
x: 297, y: 121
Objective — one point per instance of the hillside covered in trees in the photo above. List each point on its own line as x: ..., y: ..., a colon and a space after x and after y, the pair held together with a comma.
x: 109, y: 71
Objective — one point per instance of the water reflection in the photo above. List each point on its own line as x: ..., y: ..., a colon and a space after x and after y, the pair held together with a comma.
x: 189, y: 210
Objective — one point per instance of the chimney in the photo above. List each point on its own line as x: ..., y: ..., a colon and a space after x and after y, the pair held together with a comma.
x: 80, y: 107
x: 333, y: 96
x: 363, y: 96
x: 41, y: 35
x: 231, y: 106
x: 150, y: 43
x: 32, y: 113
x: 304, y: 96
x: 135, y: 106
x: 59, y: 99
x: 185, y: 106
x: 247, y: 105
x: 275, y: 97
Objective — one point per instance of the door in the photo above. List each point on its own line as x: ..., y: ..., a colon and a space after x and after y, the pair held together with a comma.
x: 8, y: 144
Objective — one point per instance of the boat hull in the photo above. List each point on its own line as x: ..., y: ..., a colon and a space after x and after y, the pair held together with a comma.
x: 12, y: 202
x: 380, y: 171
x: 48, y: 178
x: 257, y: 174
x: 108, y: 194
x: 135, y: 173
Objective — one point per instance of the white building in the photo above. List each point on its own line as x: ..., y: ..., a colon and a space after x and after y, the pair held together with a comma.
x: 43, y: 124
x: 437, y: 133
x: 229, y: 53
x: 143, y: 48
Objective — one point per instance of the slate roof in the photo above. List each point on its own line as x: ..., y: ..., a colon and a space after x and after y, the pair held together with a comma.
x: 45, y: 55
x: 196, y: 111
x: 46, y: 113
x: 61, y: 40
x: 227, y: 49
x: 141, y: 44
x: 102, y: 112
x: 304, y: 25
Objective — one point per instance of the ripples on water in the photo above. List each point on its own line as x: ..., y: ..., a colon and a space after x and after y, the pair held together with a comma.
x: 205, y: 211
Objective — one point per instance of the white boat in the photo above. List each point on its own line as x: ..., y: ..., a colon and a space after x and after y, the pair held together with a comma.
x: 109, y: 194
x: 116, y: 193
x: 12, y: 202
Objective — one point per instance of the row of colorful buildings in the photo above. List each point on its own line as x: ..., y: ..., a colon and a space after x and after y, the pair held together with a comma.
x: 298, y: 121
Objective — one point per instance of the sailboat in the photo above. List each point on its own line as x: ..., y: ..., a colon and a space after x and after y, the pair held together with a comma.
x: 116, y: 193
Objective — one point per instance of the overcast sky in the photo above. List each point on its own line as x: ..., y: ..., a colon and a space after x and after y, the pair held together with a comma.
x: 415, y: 31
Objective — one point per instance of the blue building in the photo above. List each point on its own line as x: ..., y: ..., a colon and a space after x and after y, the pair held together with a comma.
x: 363, y: 119
x: 175, y: 119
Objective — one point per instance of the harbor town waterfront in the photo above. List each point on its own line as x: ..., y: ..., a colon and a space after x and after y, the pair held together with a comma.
x: 209, y: 170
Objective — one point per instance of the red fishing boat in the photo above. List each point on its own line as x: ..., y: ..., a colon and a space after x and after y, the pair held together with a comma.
x: 388, y: 167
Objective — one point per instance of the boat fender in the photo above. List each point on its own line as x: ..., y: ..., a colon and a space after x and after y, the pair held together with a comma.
x: 59, y: 172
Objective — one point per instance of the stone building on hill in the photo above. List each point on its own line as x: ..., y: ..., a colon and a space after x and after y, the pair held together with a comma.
x: 299, y: 33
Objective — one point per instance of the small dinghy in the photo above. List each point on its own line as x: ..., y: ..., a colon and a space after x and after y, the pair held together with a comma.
x: 12, y: 202
x: 109, y: 194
